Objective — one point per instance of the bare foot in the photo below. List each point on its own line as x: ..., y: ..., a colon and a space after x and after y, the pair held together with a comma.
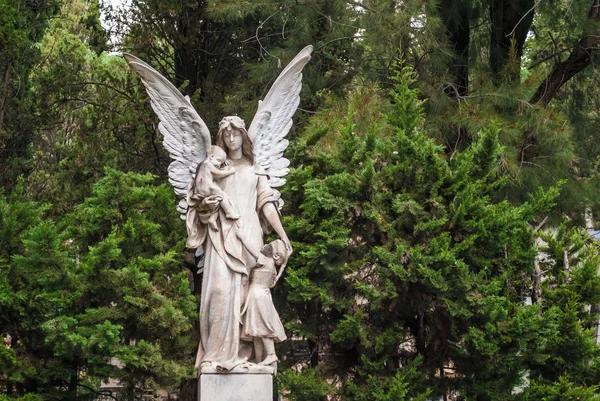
x: 271, y: 358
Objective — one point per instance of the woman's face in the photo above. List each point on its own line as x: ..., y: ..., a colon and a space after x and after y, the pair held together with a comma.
x: 233, y: 139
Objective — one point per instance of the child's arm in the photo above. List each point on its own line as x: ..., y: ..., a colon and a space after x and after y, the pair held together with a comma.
x: 220, y: 173
x: 281, y: 269
x: 199, y: 175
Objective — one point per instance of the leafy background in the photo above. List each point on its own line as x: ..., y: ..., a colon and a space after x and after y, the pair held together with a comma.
x: 445, y: 157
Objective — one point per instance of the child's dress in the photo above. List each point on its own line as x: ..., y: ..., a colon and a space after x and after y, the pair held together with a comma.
x: 259, y: 317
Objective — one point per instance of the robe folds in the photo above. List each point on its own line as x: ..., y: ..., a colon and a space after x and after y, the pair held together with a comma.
x: 227, y: 262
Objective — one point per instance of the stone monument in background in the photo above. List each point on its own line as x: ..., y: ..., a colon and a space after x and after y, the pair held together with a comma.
x: 229, y: 200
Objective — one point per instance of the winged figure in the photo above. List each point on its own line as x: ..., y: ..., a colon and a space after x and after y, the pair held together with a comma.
x: 229, y: 200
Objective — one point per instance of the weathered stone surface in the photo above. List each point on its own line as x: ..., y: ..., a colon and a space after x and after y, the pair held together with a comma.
x: 244, y: 368
x: 229, y: 199
x: 235, y: 387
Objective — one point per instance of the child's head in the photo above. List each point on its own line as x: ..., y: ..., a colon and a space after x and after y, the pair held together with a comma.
x: 278, y: 251
x: 216, y: 156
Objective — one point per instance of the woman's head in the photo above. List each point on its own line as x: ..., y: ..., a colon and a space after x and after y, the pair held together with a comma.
x: 232, y: 135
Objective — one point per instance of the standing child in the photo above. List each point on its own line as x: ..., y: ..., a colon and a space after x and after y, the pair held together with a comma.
x: 260, y: 320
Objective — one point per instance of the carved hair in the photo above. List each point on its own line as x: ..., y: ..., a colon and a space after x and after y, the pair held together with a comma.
x: 234, y: 122
x: 268, y: 251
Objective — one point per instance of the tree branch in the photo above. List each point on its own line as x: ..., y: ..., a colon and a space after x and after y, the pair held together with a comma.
x: 581, y: 56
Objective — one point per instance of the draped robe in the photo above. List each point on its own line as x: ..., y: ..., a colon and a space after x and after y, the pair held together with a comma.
x: 227, y: 262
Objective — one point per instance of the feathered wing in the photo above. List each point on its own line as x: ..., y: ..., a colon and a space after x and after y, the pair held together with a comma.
x: 273, y: 119
x: 185, y: 136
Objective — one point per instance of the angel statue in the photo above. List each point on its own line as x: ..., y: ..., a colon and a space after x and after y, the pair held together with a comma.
x: 229, y: 202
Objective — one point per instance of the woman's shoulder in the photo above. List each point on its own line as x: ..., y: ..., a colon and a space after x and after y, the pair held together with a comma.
x: 258, y: 170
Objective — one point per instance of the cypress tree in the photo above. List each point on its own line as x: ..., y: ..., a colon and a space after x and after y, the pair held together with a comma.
x: 406, y: 261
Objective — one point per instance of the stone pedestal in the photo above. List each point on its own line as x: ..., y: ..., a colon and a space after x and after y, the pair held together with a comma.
x: 235, y: 387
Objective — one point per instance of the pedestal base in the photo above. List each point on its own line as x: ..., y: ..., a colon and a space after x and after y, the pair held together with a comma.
x: 235, y: 387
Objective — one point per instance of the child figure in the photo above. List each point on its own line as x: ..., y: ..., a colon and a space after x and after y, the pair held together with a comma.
x: 205, y: 186
x: 260, y: 320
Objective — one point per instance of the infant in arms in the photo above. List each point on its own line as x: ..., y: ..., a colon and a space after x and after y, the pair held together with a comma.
x: 205, y: 186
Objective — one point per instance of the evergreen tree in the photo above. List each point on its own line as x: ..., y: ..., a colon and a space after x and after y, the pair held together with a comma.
x: 411, y: 219
x: 564, y: 365
x: 480, y: 61
x: 22, y: 25
x: 406, y: 260
x: 92, y: 109
x: 100, y: 295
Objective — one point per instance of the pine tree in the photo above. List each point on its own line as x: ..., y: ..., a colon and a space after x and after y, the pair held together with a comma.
x: 482, y: 61
x: 93, y: 112
x: 21, y: 26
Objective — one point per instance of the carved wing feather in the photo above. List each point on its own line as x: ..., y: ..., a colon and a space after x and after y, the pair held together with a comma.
x: 273, y: 119
x: 185, y: 136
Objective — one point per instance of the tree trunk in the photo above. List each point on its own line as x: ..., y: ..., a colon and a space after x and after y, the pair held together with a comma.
x: 74, y: 380
x: 187, y: 66
x: 194, y: 263
x: 581, y: 56
x: 511, y: 20
x: 3, y: 97
x: 536, y: 296
x: 313, y: 343
x: 457, y: 21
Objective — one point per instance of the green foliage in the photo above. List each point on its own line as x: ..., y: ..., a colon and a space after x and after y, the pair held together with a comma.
x: 22, y: 25
x: 404, y: 255
x: 565, y: 361
x: 303, y: 386
x: 401, y: 386
x: 105, y: 287
x: 563, y: 390
x: 410, y: 210
x: 89, y: 104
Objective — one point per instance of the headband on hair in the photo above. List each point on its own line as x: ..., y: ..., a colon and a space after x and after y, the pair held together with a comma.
x: 230, y: 122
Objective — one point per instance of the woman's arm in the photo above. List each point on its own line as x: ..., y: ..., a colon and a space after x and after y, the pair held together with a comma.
x: 272, y: 215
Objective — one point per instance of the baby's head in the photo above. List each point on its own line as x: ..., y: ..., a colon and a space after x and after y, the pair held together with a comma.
x: 216, y: 156
x: 278, y: 251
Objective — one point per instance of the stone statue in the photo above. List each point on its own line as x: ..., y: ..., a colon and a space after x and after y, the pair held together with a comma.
x: 204, y: 186
x: 260, y: 321
x: 229, y: 201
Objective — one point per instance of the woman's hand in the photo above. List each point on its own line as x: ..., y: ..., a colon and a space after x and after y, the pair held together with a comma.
x: 288, y: 244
